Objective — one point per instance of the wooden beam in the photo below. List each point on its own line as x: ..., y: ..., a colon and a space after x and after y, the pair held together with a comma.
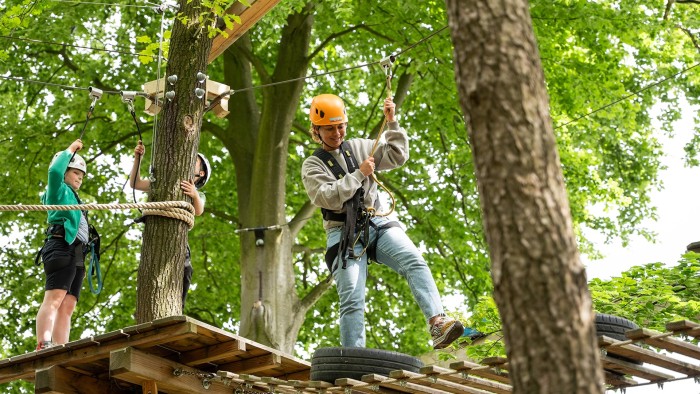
x: 26, y: 367
x: 149, y: 387
x: 137, y: 367
x: 254, y: 365
x: 638, y: 353
x: 406, y: 387
x: 628, y: 368
x: 453, y: 376
x: 218, y: 351
x: 58, y: 380
x: 665, y: 341
x: 249, y: 16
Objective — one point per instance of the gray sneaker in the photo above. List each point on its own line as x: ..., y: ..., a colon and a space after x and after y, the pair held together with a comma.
x: 445, y: 331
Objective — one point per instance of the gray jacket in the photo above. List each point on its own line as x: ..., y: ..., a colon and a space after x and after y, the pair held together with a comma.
x: 325, y: 191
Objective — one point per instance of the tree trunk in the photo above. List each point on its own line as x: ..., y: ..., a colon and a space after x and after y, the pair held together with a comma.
x: 258, y: 137
x: 165, y: 239
x: 539, y: 281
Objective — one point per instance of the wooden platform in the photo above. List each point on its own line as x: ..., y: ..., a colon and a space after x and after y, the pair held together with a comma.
x: 176, y: 352
x: 181, y: 355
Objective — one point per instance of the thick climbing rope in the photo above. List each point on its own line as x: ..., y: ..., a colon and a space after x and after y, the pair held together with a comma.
x: 180, y: 210
x: 387, y: 69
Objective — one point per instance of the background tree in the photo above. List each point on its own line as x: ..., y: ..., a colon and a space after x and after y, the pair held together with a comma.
x: 593, y: 55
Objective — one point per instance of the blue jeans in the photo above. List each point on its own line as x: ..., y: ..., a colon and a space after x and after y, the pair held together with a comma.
x: 396, y: 251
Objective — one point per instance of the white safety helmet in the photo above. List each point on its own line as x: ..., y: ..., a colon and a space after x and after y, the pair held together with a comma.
x: 76, y: 162
x: 207, y: 172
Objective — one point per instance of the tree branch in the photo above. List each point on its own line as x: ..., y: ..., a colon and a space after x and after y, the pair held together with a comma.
x: 300, y: 219
x: 314, y: 295
x: 341, y: 33
x: 254, y: 60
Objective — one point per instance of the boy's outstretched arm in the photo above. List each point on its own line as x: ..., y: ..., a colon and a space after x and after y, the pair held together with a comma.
x: 135, y: 180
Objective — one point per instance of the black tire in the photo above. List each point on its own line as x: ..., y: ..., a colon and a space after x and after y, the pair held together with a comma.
x: 329, y: 364
x: 615, y: 328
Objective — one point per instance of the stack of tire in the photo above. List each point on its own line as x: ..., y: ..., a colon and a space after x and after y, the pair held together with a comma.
x: 615, y: 327
x: 329, y: 364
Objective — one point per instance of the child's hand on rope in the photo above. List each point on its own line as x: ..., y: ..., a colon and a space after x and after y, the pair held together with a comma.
x: 389, y: 109
x: 139, y: 150
x: 367, y: 166
x: 76, y: 146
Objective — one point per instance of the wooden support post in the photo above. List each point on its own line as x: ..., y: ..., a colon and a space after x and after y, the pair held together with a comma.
x: 58, y: 380
x: 138, y: 367
x: 149, y: 387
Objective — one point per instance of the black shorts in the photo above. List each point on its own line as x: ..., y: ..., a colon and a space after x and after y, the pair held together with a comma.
x: 64, y: 265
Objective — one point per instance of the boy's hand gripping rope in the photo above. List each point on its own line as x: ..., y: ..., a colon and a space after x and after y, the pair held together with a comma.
x: 386, y: 64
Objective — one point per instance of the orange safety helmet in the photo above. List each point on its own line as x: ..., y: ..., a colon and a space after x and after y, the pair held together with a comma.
x: 327, y: 109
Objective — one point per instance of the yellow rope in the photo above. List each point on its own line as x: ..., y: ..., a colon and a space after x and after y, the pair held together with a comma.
x: 374, y: 148
x: 180, y: 210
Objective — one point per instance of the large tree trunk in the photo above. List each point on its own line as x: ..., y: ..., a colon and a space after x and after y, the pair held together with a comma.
x: 165, y: 239
x: 258, y: 137
x: 539, y: 281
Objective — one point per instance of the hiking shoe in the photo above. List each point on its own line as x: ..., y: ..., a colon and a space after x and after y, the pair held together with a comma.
x: 445, y: 331
x: 43, y: 345
x: 472, y: 334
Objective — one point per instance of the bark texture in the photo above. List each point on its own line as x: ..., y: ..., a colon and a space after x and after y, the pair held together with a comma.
x: 539, y: 281
x: 165, y: 239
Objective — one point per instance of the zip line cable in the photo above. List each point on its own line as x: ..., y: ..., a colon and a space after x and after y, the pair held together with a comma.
x: 155, y: 115
x: 72, y: 45
x: 651, y: 85
x: 216, y: 100
x: 106, y: 4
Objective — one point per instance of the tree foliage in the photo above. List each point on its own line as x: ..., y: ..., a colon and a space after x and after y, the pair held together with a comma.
x: 594, y: 53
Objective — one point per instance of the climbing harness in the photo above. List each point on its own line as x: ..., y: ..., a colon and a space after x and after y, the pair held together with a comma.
x: 357, y: 219
x: 93, y: 269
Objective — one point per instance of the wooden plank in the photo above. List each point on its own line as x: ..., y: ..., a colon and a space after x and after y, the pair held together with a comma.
x: 476, y: 382
x: 254, y: 365
x: 137, y: 367
x: 665, y: 341
x: 684, y: 327
x: 362, y: 387
x: 492, y: 373
x: 55, y: 380
x: 618, y: 381
x: 629, y: 368
x: 213, y: 353
x: 249, y: 17
x: 437, y: 383
x: 24, y: 367
x: 404, y: 386
x: 638, y: 353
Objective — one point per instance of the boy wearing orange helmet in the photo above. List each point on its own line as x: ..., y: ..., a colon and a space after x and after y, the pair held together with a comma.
x: 346, y: 192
